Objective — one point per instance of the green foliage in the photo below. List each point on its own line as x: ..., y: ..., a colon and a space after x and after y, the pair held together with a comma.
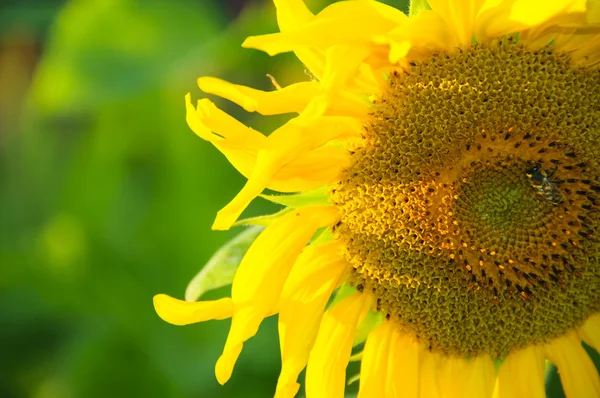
x: 107, y: 198
x: 220, y: 269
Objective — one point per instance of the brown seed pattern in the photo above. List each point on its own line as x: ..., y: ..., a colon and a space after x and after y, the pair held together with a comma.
x: 442, y: 223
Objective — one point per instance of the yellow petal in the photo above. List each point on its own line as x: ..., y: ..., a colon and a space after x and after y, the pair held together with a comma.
x: 427, y: 33
x: 590, y: 332
x: 326, y: 370
x: 303, y: 300
x: 459, y: 16
x: 257, y: 182
x: 498, y: 18
x: 552, y: 29
x: 342, y: 64
x: 375, y: 374
x: 522, y: 374
x: 292, y: 98
x: 587, y: 55
x: 212, y: 124
x: 179, y: 312
x: 243, y: 321
x: 430, y: 384
x: 577, y: 372
x: 270, y: 258
x: 298, y: 136
x: 335, y: 25
x: 292, y: 15
x: 482, y: 377
x: 311, y: 170
x: 450, y: 372
x: 237, y: 142
x: 346, y: 103
x: 535, y: 12
x: 241, y: 146
x: 405, y: 366
x: 398, y: 50
x: 389, y: 12
x: 467, y: 378
x: 262, y: 273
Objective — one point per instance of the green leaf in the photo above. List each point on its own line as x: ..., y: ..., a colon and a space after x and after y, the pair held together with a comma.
x: 316, y: 197
x: 221, y: 268
x: 416, y: 6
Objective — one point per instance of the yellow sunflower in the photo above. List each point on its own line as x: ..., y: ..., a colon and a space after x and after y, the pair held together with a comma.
x: 443, y: 172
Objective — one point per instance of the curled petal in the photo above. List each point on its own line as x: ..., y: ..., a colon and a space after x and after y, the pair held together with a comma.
x: 292, y: 98
x: 179, y: 312
x: 262, y: 273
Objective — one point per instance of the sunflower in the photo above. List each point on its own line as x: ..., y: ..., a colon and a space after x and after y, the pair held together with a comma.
x: 443, y: 181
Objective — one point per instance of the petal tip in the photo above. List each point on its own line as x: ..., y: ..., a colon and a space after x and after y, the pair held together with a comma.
x: 163, y: 305
x: 226, y: 362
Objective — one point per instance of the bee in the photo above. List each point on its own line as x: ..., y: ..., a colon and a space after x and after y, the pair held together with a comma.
x: 541, y: 181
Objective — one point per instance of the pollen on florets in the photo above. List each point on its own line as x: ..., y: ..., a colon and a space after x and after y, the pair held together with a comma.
x: 440, y: 218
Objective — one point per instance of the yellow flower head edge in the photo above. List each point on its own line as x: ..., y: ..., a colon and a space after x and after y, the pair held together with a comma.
x: 351, y: 48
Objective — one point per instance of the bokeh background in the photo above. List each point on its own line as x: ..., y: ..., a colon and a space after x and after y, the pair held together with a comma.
x: 106, y: 196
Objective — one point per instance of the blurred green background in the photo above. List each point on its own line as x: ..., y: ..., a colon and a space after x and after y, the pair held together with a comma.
x: 107, y: 198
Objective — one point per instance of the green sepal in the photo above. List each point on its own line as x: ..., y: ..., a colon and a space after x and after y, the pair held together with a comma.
x: 343, y: 291
x: 353, y: 379
x: 498, y: 363
x: 371, y: 321
x: 321, y: 236
x: 221, y: 268
x: 356, y: 357
x: 547, y: 368
x: 416, y: 6
x: 263, y: 221
x: 316, y: 197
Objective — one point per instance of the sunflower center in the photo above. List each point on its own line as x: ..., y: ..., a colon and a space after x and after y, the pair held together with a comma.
x: 471, y: 209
